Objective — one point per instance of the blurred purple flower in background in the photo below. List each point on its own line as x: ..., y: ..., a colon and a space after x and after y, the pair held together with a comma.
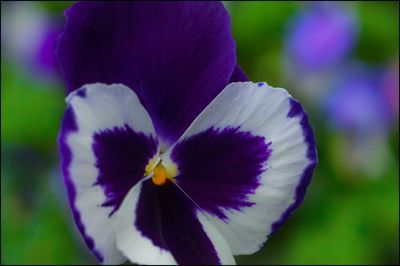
x: 356, y: 104
x: 391, y: 90
x: 321, y: 36
x: 44, y: 56
x: 319, y: 40
x: 29, y: 35
x: 356, y: 101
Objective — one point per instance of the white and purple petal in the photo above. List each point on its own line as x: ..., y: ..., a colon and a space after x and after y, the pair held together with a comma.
x: 161, y: 225
x: 219, y: 168
x: 106, y: 140
x: 176, y: 56
x: 246, y: 161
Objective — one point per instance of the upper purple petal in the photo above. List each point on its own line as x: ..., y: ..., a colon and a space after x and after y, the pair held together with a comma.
x: 176, y: 56
x: 238, y: 75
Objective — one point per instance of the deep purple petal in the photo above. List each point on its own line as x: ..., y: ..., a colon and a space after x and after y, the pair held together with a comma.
x: 238, y: 75
x: 176, y: 56
x: 121, y: 157
x: 218, y: 169
x: 168, y: 218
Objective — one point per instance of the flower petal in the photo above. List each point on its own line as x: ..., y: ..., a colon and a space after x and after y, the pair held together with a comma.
x: 220, y: 168
x: 238, y: 75
x: 161, y: 225
x: 176, y: 56
x: 106, y: 140
x: 246, y: 161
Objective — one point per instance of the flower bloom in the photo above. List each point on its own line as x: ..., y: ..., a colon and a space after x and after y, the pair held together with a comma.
x: 356, y: 102
x: 321, y: 36
x: 30, y: 36
x: 169, y: 155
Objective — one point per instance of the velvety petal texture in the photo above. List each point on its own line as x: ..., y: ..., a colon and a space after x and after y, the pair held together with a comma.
x: 238, y: 75
x: 177, y: 56
x: 106, y: 140
x: 246, y: 161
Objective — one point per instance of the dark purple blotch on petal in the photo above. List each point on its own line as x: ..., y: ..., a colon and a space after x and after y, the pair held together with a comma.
x: 297, y: 110
x: 219, y: 169
x: 260, y: 84
x: 176, y: 56
x: 82, y: 93
x: 168, y: 217
x: 121, y: 157
x: 69, y: 126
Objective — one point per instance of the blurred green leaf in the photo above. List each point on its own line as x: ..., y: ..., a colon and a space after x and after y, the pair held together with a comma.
x: 31, y: 111
x: 379, y: 36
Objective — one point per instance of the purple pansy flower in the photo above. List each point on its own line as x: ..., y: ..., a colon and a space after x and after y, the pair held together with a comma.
x: 30, y: 36
x: 321, y: 36
x: 169, y: 154
x: 356, y: 102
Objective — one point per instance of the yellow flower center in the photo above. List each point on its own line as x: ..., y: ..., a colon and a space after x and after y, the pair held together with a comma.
x: 160, y: 175
x: 161, y: 170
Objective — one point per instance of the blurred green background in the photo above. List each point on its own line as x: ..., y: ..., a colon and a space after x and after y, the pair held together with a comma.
x: 350, y: 214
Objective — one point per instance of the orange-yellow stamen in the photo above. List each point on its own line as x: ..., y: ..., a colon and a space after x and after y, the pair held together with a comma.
x: 160, y: 175
x: 160, y: 170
